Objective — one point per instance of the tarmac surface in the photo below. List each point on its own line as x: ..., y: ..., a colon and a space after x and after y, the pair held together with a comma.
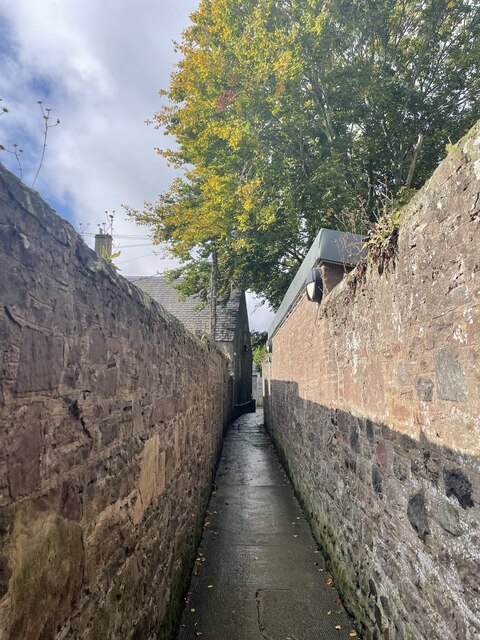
x: 258, y: 573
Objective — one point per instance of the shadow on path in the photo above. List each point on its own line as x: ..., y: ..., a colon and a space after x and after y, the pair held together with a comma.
x: 258, y: 573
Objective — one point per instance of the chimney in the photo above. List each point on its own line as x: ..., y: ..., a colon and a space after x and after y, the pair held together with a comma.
x: 103, y: 243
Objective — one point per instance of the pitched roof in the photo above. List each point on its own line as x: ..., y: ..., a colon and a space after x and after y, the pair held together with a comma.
x: 187, y: 310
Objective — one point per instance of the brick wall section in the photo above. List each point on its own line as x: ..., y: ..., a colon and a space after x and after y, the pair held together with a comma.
x: 111, y: 415
x: 373, y: 400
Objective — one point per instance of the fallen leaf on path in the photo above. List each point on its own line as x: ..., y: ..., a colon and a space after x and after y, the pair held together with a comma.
x: 329, y: 613
x: 192, y: 610
x: 338, y: 601
x: 338, y: 627
x: 353, y: 634
x: 210, y: 586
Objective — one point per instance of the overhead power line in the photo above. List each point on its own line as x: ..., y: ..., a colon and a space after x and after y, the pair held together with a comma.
x: 123, y: 236
x: 133, y: 259
x: 132, y: 246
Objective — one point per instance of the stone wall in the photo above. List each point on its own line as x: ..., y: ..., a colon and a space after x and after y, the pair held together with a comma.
x: 240, y: 353
x: 111, y: 416
x: 243, y: 360
x: 373, y: 400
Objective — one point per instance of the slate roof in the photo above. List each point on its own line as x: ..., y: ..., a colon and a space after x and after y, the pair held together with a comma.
x: 197, y: 320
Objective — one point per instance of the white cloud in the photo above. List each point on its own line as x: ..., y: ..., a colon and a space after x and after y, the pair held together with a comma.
x: 99, y: 66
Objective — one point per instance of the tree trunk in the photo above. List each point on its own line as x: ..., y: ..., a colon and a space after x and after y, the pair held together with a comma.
x: 416, y: 152
x: 213, y: 294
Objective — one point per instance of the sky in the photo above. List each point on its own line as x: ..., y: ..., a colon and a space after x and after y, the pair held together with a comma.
x: 98, y: 65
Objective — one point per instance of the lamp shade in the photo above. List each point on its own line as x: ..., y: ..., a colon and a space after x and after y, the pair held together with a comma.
x: 314, y: 285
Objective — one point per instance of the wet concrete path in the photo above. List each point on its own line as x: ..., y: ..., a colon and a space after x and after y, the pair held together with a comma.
x: 258, y: 573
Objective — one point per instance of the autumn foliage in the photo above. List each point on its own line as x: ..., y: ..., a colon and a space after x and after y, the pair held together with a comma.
x: 294, y: 115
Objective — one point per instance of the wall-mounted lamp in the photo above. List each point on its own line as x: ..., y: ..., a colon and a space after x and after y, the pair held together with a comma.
x: 269, y: 346
x: 314, y: 285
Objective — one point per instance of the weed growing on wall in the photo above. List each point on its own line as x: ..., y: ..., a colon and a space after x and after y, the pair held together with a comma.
x: 381, y: 240
x: 111, y: 257
x: 17, y: 152
x: 46, y: 127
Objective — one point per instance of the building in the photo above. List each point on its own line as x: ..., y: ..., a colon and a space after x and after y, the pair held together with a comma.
x: 232, y: 333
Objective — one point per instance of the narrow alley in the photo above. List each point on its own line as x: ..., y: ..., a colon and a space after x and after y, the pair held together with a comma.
x: 258, y: 573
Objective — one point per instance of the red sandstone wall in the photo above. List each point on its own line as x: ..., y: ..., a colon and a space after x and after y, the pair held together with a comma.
x: 111, y: 415
x: 373, y: 399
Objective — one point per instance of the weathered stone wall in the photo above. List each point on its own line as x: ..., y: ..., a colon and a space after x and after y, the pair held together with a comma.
x: 240, y: 353
x: 373, y: 400
x: 243, y: 356
x: 111, y: 415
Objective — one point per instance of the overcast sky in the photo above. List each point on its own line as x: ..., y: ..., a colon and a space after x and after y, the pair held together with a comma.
x: 98, y: 65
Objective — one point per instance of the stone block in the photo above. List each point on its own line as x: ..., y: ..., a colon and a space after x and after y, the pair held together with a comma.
x: 457, y: 484
x: 376, y: 480
x: 449, y: 519
x: 151, y: 483
x: 41, y: 361
x: 24, y: 449
x: 452, y: 383
x: 98, y: 347
x: 417, y: 515
x: 424, y: 387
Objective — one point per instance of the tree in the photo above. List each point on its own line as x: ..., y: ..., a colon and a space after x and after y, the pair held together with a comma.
x: 259, y: 346
x: 290, y: 115
x: 258, y: 338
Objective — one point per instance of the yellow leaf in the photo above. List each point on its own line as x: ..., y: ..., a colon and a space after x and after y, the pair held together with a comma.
x: 353, y: 634
x: 338, y: 627
x: 210, y: 586
x: 192, y: 610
